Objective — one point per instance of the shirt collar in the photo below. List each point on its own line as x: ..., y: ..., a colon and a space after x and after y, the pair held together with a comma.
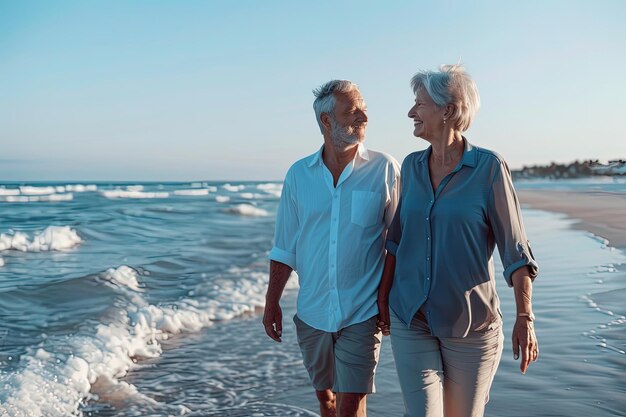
x: 469, y: 154
x: 317, y: 159
x: 362, y: 152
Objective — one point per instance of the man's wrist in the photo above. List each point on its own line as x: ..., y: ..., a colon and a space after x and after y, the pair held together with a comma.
x: 272, y: 300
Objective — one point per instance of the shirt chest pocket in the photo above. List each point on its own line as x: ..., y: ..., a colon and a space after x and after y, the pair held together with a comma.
x: 366, y: 208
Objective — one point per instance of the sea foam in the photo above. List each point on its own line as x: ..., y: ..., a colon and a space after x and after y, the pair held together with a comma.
x: 247, y: 210
x: 251, y: 196
x: 132, y: 192
x: 35, y: 198
x: 52, y: 238
x: 81, y: 188
x: 193, y: 192
x: 55, y: 384
x: 9, y: 191
x: 123, y: 276
x: 271, y: 188
x: 233, y: 188
x: 29, y: 190
x: 27, y: 194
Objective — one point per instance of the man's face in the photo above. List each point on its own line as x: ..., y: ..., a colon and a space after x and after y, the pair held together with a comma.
x: 349, y: 119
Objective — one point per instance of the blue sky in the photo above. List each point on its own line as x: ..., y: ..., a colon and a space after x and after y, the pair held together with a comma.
x: 211, y: 90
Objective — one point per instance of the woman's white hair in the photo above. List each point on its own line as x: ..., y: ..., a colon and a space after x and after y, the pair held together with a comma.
x: 325, y: 98
x: 451, y: 85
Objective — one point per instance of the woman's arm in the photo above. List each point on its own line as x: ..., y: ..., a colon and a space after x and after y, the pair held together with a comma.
x: 520, y: 267
x: 523, y: 337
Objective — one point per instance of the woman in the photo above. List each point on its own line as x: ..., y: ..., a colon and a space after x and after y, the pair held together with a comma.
x: 457, y: 204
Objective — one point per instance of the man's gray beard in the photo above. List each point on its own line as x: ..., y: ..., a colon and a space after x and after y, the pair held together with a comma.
x: 340, y: 137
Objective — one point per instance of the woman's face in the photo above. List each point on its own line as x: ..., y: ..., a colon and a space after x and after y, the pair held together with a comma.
x: 427, y: 116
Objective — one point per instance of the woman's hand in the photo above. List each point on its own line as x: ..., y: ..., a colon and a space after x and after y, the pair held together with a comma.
x: 524, y: 339
x: 383, y: 322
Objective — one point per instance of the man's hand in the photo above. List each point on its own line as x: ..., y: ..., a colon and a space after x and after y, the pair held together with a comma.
x: 524, y: 339
x: 383, y: 322
x: 273, y: 315
x: 273, y: 321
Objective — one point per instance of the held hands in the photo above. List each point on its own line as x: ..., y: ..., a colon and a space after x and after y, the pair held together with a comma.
x: 273, y: 321
x: 383, y: 322
x: 524, y: 339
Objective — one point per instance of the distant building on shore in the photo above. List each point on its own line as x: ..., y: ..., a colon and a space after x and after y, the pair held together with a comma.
x: 575, y: 169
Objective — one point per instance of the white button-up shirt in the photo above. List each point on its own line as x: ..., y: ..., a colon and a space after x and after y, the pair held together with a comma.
x: 334, y: 236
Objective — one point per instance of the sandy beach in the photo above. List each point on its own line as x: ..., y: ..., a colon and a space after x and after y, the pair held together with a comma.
x: 601, y: 213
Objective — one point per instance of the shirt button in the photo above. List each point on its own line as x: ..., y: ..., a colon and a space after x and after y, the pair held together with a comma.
x: 427, y: 278
x: 426, y: 218
x: 428, y: 238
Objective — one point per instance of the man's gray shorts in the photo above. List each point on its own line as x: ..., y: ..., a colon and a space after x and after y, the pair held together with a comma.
x: 344, y: 361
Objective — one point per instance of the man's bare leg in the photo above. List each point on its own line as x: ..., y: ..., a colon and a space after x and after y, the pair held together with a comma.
x: 328, y: 406
x: 351, y: 404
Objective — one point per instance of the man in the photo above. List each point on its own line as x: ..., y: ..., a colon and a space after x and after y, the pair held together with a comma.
x: 331, y: 224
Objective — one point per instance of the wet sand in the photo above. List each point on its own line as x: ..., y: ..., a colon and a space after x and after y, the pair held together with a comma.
x: 601, y: 213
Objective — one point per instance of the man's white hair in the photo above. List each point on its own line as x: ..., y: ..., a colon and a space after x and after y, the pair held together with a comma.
x: 325, y: 98
x: 451, y: 85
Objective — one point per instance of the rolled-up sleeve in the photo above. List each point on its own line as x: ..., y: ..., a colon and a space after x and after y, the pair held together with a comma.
x: 287, y: 230
x: 394, y: 234
x: 394, y: 227
x: 393, y: 193
x: 505, y: 218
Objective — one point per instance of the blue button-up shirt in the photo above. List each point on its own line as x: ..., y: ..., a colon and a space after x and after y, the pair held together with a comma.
x: 444, y: 241
x: 334, y: 237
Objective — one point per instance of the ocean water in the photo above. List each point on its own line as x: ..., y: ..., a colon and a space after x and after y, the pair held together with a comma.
x: 145, y: 300
x: 609, y: 184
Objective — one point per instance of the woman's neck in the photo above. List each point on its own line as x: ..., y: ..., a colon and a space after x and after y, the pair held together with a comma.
x: 447, y: 151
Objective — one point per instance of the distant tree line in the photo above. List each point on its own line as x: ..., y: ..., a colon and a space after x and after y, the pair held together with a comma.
x: 575, y: 169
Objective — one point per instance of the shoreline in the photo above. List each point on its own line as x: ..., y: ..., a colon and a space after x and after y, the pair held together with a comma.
x: 597, y: 212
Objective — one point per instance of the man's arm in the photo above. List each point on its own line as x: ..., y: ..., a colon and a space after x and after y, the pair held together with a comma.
x: 273, y: 315
x: 386, y: 282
